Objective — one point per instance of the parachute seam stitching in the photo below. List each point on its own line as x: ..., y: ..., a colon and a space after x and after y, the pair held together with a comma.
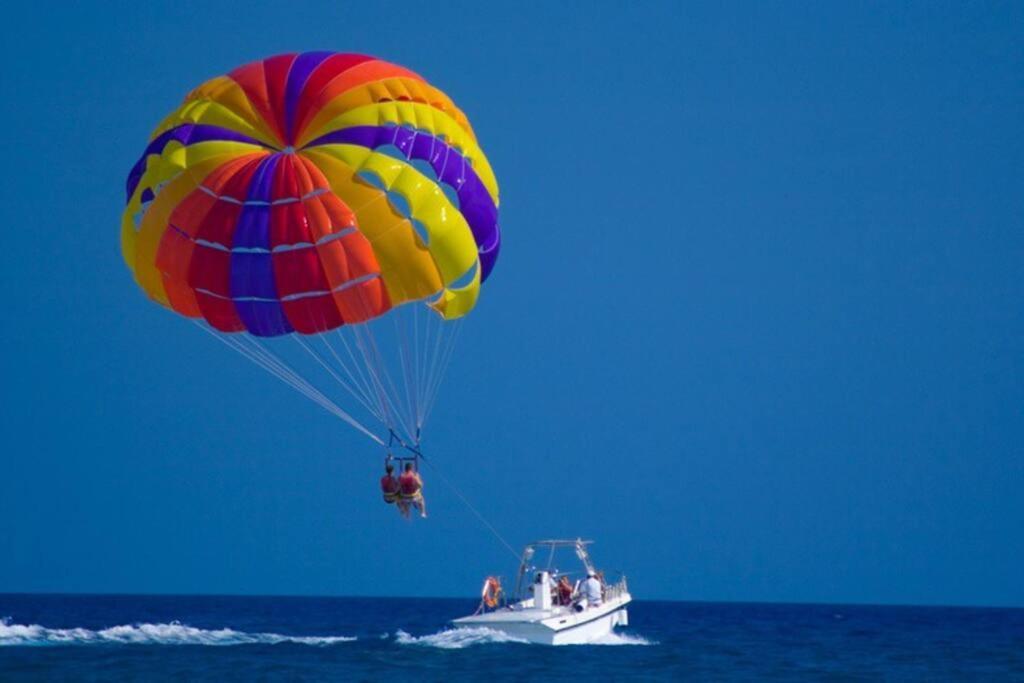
x: 293, y: 297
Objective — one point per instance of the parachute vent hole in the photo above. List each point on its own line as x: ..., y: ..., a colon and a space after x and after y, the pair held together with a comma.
x: 423, y: 166
x: 393, y: 152
x: 137, y: 216
x: 451, y: 194
x: 373, y: 179
x: 400, y: 204
x: 146, y: 199
x: 421, y: 231
x: 466, y: 278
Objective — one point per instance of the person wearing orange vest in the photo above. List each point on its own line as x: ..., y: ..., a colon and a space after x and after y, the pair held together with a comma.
x: 564, y: 591
x: 411, y: 489
x: 390, y: 489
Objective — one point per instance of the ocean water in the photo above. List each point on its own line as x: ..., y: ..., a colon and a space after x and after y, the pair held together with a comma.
x: 100, y: 638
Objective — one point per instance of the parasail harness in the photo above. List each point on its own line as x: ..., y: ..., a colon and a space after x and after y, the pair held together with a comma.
x: 414, y: 453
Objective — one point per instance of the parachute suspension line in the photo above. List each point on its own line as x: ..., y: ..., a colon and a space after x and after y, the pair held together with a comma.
x: 417, y: 387
x: 274, y: 369
x: 375, y: 387
x: 433, y: 349
x: 264, y: 358
x: 391, y: 388
x: 433, y: 333
x: 408, y: 379
x: 435, y: 385
x: 404, y: 411
x: 417, y: 368
x: 377, y: 368
x: 401, y: 397
x: 364, y: 392
x: 310, y: 391
x: 313, y: 392
x: 364, y: 376
x: 398, y: 388
x: 429, y: 341
x: 330, y: 370
x: 422, y: 376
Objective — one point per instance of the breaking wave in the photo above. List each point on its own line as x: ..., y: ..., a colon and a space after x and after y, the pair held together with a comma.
x: 173, y: 633
x: 456, y: 638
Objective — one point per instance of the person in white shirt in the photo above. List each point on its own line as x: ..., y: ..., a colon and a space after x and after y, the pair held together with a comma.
x: 592, y: 590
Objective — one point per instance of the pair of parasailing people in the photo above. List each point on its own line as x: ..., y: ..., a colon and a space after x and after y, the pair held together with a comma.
x: 404, y: 491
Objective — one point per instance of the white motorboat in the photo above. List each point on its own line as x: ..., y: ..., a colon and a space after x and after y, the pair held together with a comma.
x: 539, y: 613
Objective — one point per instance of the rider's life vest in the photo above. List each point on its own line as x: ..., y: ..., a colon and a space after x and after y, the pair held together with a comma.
x: 409, y: 483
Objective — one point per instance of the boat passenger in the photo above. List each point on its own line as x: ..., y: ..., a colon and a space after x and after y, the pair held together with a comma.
x: 411, y: 489
x: 564, y: 591
x: 592, y: 590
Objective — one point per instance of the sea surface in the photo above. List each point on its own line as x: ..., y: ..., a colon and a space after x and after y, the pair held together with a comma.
x: 179, y: 638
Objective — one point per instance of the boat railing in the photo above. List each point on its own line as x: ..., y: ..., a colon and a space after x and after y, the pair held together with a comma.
x: 614, y: 591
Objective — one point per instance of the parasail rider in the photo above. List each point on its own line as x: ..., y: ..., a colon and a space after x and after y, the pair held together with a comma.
x: 411, y: 490
x: 389, y: 488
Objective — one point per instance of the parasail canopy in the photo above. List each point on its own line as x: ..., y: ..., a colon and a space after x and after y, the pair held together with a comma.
x: 313, y: 193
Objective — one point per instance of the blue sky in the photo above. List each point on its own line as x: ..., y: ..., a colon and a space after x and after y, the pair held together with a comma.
x: 756, y: 326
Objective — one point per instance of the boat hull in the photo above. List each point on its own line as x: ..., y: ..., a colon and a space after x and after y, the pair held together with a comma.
x: 560, y: 626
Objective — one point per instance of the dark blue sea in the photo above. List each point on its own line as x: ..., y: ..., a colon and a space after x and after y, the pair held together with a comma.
x: 152, y: 638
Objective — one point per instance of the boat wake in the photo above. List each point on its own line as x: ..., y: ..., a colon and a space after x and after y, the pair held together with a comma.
x: 173, y: 633
x: 176, y: 633
x: 456, y: 638
x: 623, y: 639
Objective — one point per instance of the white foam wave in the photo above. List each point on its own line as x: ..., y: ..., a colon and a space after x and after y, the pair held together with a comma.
x: 173, y: 633
x: 623, y: 639
x: 456, y: 638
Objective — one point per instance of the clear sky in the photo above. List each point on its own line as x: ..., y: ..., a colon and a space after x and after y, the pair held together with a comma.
x: 757, y: 326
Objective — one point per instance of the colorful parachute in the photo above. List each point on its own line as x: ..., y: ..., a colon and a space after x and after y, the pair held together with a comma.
x: 318, y: 192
